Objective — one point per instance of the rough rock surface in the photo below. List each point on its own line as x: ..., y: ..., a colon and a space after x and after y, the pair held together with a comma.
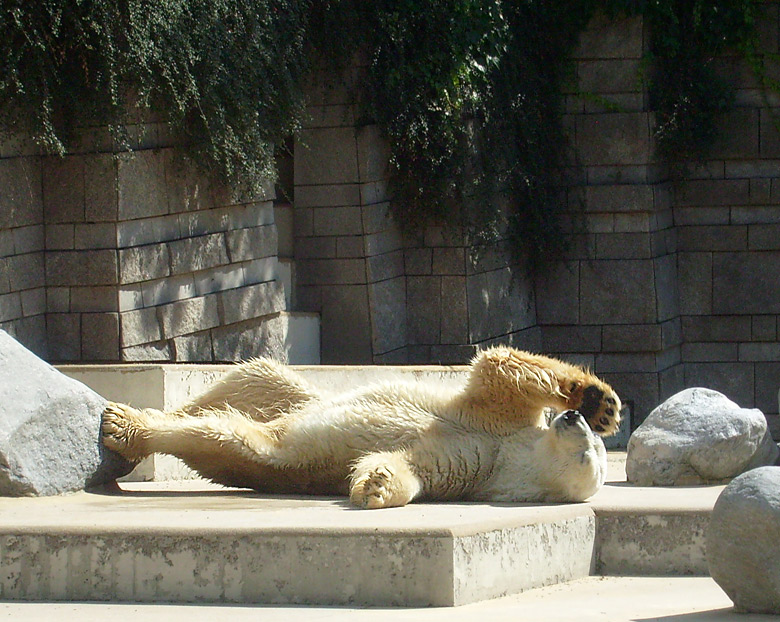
x: 698, y: 436
x: 49, y: 429
x: 743, y: 541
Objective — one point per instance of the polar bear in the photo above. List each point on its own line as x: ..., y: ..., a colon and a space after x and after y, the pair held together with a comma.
x: 264, y: 427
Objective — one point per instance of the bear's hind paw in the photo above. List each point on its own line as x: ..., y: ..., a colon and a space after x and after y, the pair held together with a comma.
x: 121, y: 432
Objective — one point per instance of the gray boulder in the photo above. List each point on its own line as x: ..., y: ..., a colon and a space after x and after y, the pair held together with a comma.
x: 49, y: 429
x: 698, y: 436
x: 743, y: 541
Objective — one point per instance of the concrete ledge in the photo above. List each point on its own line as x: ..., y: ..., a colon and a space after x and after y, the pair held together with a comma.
x: 193, y: 541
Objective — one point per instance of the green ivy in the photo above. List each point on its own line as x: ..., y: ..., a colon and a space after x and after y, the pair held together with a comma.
x: 468, y: 93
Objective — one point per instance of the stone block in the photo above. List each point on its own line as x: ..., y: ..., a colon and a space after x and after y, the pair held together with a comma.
x: 382, y: 242
x: 755, y: 215
x: 144, y: 263
x: 325, y: 195
x: 81, y: 268
x: 767, y: 384
x: 633, y: 222
x: 259, y: 270
x: 193, y: 348
x: 63, y: 332
x: 739, y: 135
x: 147, y: 353
x: 736, y: 380
x: 571, y: 339
x: 696, y: 215
x: 454, y: 310
x: 101, y: 199
x: 57, y: 299
x: 373, y: 154
x: 142, y: 189
x: 100, y: 337
x: 331, y: 272
x: 632, y: 338
x: 383, y: 267
x: 627, y: 362
x: 90, y: 299
x: 619, y: 198
x: 148, y: 231
x: 614, y: 138
x: 423, y: 309
x: 450, y: 261
x: 388, y: 315
x: 730, y: 328
x: 764, y: 237
x: 33, y: 301
x: 770, y: 137
x: 623, y: 246
x: 22, y: 200
x: 199, y: 253
x: 418, y: 261
x: 26, y: 271
x: 60, y: 237
x: 375, y: 193
x: 335, y: 115
x: 606, y: 37
x: 712, y: 238
x: 139, y: 327
x: 694, y: 271
x: 743, y: 541
x: 713, y: 192
x: 759, y: 352
x: 168, y: 289
x: 217, y: 280
x: 710, y: 352
x: 666, y: 287
x: 29, y: 239
x: 63, y: 189
x: 246, y: 303
x: 50, y: 429
x: 617, y: 292
x: 376, y: 218
x: 500, y: 303
x: 326, y: 156
x: 344, y: 220
x: 350, y: 247
x: 740, y: 283
x: 323, y: 247
x: 606, y: 76
x: 10, y: 306
x: 346, y: 325
x: 760, y: 191
x: 205, y: 221
x: 95, y: 236
x: 252, y: 243
x: 130, y: 297
x: 763, y: 328
x: 189, y: 316
x: 557, y: 294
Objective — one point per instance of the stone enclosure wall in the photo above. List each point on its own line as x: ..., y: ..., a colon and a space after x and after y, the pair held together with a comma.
x: 675, y: 282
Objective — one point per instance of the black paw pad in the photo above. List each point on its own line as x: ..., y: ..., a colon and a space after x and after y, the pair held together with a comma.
x: 591, y: 400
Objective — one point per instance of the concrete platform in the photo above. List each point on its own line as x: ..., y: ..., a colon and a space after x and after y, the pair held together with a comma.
x: 191, y: 541
x: 595, y: 599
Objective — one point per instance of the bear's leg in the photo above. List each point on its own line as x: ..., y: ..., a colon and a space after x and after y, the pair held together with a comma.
x: 260, y: 388
x: 525, y: 384
x: 214, y: 439
x: 383, y: 480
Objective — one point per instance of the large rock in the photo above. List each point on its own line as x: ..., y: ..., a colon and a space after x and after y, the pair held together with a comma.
x: 49, y: 429
x: 698, y: 436
x: 743, y: 541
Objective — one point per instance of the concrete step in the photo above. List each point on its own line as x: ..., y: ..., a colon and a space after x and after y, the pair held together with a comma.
x: 195, y: 542
x: 594, y: 599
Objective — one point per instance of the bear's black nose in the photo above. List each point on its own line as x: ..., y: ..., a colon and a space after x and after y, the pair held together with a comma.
x: 571, y: 417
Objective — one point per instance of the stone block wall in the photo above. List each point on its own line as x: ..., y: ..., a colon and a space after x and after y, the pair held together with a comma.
x: 113, y: 255
x: 22, y: 246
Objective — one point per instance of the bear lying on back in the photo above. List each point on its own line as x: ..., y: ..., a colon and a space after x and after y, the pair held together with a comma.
x: 264, y: 427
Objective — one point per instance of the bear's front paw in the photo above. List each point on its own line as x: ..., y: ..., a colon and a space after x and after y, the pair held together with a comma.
x: 383, y: 481
x: 599, y: 404
x: 122, y: 432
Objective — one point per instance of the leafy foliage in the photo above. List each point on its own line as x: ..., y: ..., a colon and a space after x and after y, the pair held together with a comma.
x: 205, y: 66
x: 467, y: 92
